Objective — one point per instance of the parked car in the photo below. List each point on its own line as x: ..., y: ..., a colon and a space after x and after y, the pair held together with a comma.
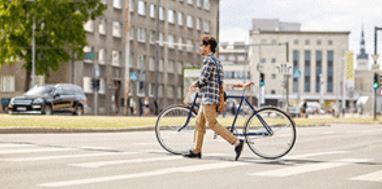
x: 294, y: 111
x: 49, y: 99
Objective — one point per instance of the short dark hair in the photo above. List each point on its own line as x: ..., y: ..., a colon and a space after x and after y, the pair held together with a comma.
x: 209, y: 40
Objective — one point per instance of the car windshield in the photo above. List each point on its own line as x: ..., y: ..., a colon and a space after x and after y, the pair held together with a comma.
x: 39, y: 91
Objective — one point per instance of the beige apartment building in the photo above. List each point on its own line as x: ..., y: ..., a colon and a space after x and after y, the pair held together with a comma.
x: 298, y: 65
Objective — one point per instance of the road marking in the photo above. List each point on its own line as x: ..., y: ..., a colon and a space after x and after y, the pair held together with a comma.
x: 14, y: 145
x: 374, y: 177
x: 315, y: 154
x: 26, y: 159
x: 18, y: 151
x: 295, y: 170
x: 98, y: 164
x: 184, y: 169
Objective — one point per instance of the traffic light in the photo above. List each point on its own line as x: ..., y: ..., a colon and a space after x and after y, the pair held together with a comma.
x: 376, y: 81
x: 95, y: 84
x: 262, y: 81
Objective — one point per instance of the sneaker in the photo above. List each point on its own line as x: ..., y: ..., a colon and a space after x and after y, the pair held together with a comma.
x: 191, y: 154
x: 239, y: 149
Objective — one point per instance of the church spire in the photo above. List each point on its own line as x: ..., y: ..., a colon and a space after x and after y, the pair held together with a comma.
x: 362, y: 54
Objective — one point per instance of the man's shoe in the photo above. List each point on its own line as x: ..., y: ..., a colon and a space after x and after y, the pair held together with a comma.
x: 239, y: 149
x: 191, y: 154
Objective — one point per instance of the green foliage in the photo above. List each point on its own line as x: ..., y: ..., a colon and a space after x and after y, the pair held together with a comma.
x: 59, y: 30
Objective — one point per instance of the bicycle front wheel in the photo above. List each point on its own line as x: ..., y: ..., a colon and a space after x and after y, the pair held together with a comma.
x: 270, y: 133
x: 174, y: 129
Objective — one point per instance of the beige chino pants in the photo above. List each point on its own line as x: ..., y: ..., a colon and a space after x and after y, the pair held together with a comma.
x: 207, y: 116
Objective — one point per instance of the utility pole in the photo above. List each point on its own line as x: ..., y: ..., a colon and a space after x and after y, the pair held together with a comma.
x: 33, y: 74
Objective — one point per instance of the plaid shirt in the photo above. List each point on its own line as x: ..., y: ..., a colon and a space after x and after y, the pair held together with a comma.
x: 208, y: 80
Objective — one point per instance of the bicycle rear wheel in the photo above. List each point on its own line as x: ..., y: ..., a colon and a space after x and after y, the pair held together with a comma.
x: 173, y: 129
x: 274, y: 144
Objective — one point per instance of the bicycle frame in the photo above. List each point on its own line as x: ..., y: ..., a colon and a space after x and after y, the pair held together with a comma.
x: 242, y: 100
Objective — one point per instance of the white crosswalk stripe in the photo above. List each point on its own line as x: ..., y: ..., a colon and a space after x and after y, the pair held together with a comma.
x: 72, y: 156
x: 373, y: 177
x: 295, y: 170
x: 14, y: 145
x: 315, y: 154
x: 33, y: 150
x: 118, y: 162
x: 186, y: 169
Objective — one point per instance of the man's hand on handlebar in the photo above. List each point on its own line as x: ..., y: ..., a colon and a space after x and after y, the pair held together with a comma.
x: 243, y: 85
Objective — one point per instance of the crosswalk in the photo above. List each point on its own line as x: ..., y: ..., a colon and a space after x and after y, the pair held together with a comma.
x: 78, y: 158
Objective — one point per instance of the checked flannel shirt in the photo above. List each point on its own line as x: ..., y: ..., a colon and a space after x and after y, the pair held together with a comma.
x: 208, y: 80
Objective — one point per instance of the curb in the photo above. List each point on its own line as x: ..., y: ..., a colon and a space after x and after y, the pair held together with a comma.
x: 69, y: 131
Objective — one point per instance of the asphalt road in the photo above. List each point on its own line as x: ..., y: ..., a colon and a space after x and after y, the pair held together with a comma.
x: 341, y: 156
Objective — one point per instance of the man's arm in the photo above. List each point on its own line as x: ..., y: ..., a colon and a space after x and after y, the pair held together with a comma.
x: 205, y: 75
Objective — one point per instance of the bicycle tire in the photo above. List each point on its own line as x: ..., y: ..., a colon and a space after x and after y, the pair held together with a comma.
x: 166, y: 132
x: 263, y: 147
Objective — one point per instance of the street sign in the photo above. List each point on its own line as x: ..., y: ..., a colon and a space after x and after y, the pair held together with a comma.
x: 90, y: 56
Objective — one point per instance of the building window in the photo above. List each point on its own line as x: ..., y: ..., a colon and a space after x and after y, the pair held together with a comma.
x: 131, y: 34
x: 273, y: 92
x: 206, y: 26
x: 115, y: 58
x: 160, y: 39
x: 318, y: 70
x: 180, y: 43
x: 102, y: 56
x: 170, y: 16
x: 296, y: 70
x: 131, y: 5
x: 273, y: 76
x: 161, y: 65
x: 180, y: 19
x: 89, y: 26
x: 222, y: 57
x: 170, y: 91
x: 151, y: 91
x: 307, y: 42
x: 330, y: 42
x: 7, y: 84
x: 141, y: 87
x: 161, y: 13
x: 160, y: 91
x: 190, y: 2
x: 87, y: 85
x: 141, y: 8
x: 189, y: 45
x: 102, y: 26
x: 330, y: 70
x: 206, y: 4
x: 170, y: 40
x: 231, y: 58
x: 189, y: 21
x: 141, y: 62
x: 151, y: 64
x: 117, y: 4
x: 295, y: 42
x: 273, y: 60
x: 152, y: 37
x: 199, y: 3
x: 171, y: 67
x: 117, y: 29
x: 318, y: 42
x: 307, y: 71
x: 141, y: 35
x: 198, y: 23
x: 179, y: 68
x: 152, y: 10
x: 263, y: 60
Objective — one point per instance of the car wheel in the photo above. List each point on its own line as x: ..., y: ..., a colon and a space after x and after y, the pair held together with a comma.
x: 48, y: 110
x: 79, y: 111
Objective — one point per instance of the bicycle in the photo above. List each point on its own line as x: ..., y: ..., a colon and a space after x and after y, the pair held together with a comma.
x: 269, y: 132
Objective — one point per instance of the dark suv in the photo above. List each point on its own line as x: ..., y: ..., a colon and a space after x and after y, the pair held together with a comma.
x: 48, y: 99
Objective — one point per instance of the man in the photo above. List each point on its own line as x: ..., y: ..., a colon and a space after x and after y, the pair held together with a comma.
x: 208, y: 84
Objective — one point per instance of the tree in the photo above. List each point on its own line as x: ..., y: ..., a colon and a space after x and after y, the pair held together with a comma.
x: 59, y: 31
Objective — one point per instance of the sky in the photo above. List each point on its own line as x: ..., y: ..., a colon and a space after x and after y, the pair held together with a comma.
x: 314, y: 15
